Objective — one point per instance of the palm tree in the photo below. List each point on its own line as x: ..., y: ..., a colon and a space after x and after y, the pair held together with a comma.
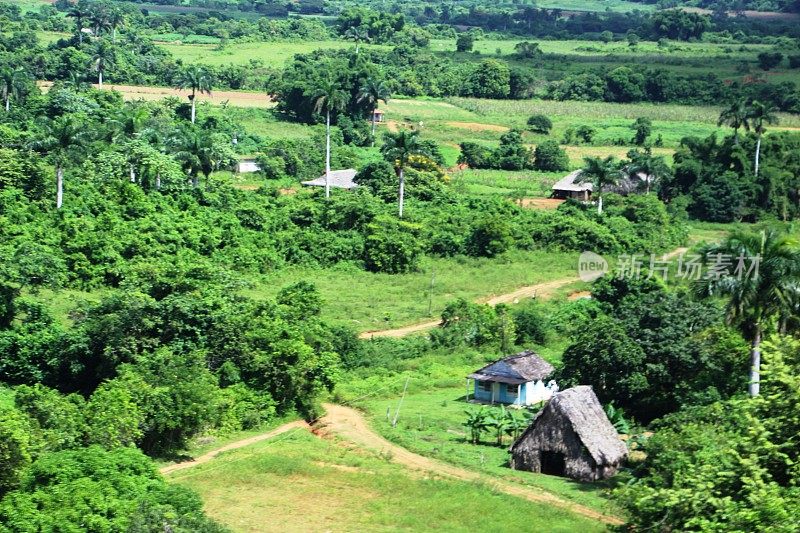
x: 328, y: 96
x: 103, y: 57
x: 357, y: 35
x: 197, y: 79
x: 735, y: 116
x: 398, y: 148
x: 192, y: 148
x: 757, y: 298
x: 116, y: 18
x: 760, y: 115
x: 12, y: 84
x: 80, y: 12
x: 600, y: 172
x: 63, y: 138
x: 654, y: 168
x: 372, y: 92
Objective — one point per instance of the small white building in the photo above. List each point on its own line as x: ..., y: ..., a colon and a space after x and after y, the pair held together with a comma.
x: 247, y: 165
x: 515, y: 380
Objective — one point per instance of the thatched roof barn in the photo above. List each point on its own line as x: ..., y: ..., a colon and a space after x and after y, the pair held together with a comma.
x: 571, y: 186
x: 572, y: 437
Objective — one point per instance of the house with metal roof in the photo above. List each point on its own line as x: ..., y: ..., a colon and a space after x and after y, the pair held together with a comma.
x: 515, y: 380
x: 340, y: 179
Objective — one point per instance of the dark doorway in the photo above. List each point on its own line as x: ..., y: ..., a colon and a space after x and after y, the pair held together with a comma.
x: 552, y: 463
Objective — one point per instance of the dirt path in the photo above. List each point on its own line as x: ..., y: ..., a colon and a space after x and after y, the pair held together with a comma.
x: 350, y: 425
x: 540, y: 290
x: 206, y: 457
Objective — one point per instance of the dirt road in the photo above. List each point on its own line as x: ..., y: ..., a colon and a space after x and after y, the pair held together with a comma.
x: 540, y: 290
x: 234, y: 446
x: 349, y: 424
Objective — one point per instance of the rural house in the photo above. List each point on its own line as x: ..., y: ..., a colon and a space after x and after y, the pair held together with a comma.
x: 516, y: 380
x: 341, y: 179
x: 570, y: 186
x: 572, y: 437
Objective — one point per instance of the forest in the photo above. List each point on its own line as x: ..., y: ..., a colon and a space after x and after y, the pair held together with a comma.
x: 158, y: 303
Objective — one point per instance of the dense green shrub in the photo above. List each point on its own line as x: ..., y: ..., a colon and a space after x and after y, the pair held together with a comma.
x: 540, y: 124
x: 549, y: 157
x: 392, y: 246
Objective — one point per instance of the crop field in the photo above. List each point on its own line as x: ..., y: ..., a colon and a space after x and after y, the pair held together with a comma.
x: 273, y: 54
x: 299, y: 482
x: 595, y: 5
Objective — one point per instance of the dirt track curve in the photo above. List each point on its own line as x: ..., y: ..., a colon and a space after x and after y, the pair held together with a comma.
x: 349, y: 424
x: 540, y: 290
x: 206, y: 457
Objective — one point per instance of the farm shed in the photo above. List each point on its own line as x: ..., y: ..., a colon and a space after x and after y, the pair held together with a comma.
x: 342, y: 179
x: 570, y: 186
x: 377, y: 115
x: 572, y: 437
x: 516, y: 380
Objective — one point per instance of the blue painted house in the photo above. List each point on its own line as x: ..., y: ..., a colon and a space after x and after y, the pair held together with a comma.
x: 515, y: 380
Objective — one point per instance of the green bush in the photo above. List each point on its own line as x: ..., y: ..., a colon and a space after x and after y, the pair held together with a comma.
x: 540, y: 124
x: 549, y: 157
x: 392, y: 246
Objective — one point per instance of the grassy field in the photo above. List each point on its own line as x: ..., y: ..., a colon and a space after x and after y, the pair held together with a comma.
x: 273, y: 54
x: 431, y: 424
x: 298, y: 482
x: 368, y: 301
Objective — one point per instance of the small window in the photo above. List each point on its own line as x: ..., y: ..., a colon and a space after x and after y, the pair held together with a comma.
x: 485, y: 386
x: 512, y: 390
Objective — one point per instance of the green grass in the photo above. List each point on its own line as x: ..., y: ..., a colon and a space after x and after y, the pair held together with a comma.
x: 505, y: 183
x: 431, y: 424
x: 620, y: 6
x: 271, y: 54
x: 369, y: 301
x: 299, y: 482
x: 29, y: 5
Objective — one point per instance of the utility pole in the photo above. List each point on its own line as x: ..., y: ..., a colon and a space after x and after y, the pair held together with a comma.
x: 430, y: 292
x: 397, y: 413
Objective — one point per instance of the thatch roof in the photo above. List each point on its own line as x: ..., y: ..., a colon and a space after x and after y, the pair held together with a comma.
x: 342, y: 179
x: 571, y: 183
x: 580, y: 406
x: 515, y: 369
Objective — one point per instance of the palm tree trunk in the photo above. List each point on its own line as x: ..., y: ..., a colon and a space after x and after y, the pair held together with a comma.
x: 758, y: 153
x: 373, y: 126
x: 114, y: 35
x: 158, y: 181
x: 133, y: 174
x: 100, y: 78
x: 195, y: 181
x: 80, y: 35
x: 59, y: 187
x: 8, y: 102
x: 193, y: 108
x: 402, y: 190
x: 328, y: 154
x: 736, y: 136
x: 755, y: 364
